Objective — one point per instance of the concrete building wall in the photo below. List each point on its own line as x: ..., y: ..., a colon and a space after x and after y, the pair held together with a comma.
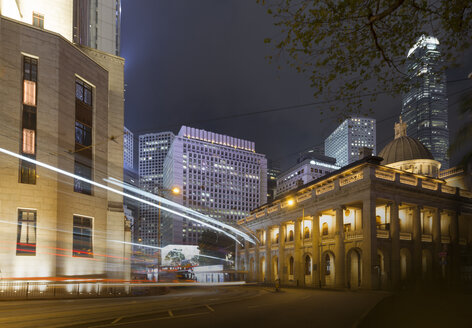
x: 53, y: 196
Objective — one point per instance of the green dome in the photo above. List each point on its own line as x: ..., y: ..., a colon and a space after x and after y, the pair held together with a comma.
x: 404, y: 148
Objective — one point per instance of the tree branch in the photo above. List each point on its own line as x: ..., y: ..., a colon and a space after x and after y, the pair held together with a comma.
x: 386, y: 12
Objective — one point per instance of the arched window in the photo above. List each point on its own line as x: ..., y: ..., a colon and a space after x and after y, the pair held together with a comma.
x: 306, y: 233
x: 307, y: 265
x: 324, y: 229
x: 328, y: 264
x: 290, y: 235
x: 290, y: 269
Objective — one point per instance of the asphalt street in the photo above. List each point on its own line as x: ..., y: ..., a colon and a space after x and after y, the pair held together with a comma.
x: 246, y: 306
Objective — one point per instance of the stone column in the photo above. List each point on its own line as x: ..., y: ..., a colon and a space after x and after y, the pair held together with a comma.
x: 455, y: 250
x: 417, y: 256
x: 282, y: 268
x: 315, y: 238
x: 246, y: 260
x: 395, y: 235
x: 370, y: 271
x: 257, y: 272
x: 339, y: 249
x: 298, y: 261
x: 268, y: 257
x: 437, y: 247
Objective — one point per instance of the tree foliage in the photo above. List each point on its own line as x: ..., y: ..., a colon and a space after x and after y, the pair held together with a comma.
x: 464, y: 135
x: 353, y: 50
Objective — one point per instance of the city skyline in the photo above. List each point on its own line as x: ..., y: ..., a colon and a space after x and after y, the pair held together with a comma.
x: 182, y: 97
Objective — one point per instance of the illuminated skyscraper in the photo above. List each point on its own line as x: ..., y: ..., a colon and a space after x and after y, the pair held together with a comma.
x: 351, y: 135
x: 220, y: 176
x: 425, y: 104
x: 153, y: 148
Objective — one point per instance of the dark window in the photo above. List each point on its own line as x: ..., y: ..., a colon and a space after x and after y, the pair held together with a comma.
x: 38, y: 20
x: 306, y: 233
x: 291, y: 266
x: 84, y: 171
x: 328, y: 264
x: 308, y: 265
x: 290, y: 235
x: 83, y: 92
x: 30, y: 69
x: 83, y: 134
x: 29, y: 118
x: 26, y: 236
x: 82, y: 237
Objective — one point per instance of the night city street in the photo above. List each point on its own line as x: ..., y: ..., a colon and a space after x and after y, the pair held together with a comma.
x: 236, y: 163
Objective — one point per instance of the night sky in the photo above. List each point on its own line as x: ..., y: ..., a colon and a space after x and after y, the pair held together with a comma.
x: 189, y: 62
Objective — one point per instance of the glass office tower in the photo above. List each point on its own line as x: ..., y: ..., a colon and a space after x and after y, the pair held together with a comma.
x: 425, y: 104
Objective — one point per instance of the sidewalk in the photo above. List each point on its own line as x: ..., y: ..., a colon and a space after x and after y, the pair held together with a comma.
x: 427, y: 309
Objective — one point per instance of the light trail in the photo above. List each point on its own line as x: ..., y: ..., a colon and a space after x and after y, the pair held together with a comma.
x: 178, y: 206
x: 99, y: 185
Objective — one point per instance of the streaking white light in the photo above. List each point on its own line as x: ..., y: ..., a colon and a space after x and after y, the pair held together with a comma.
x: 180, y: 207
x: 99, y: 185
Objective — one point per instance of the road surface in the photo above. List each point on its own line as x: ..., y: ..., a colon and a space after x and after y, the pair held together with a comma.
x: 246, y: 306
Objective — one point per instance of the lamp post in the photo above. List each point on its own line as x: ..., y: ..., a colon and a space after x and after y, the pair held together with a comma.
x: 160, y: 192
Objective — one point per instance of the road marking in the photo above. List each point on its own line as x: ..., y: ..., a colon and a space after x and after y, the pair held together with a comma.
x: 305, y: 297
x: 209, y: 308
x: 150, y: 319
x: 170, y: 313
x: 252, y: 306
x: 116, y: 320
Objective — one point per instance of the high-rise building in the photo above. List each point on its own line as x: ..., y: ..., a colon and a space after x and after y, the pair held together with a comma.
x: 91, y: 23
x: 97, y: 24
x: 153, y: 148
x: 425, y: 104
x: 351, y: 135
x: 220, y: 176
x: 60, y: 103
x: 304, y: 172
x: 273, y: 171
x: 128, y: 149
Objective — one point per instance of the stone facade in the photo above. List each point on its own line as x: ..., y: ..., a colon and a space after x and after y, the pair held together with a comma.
x: 365, y: 226
x: 53, y: 198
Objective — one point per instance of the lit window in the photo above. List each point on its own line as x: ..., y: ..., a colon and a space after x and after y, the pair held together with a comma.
x: 29, y: 93
x: 28, y: 141
x: 26, y: 235
x: 38, y: 20
x: 82, y: 237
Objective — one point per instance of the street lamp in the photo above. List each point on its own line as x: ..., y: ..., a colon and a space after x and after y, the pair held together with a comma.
x: 160, y: 192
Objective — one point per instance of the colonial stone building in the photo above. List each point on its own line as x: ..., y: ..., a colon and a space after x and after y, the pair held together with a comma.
x: 379, y: 223
x: 60, y: 104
